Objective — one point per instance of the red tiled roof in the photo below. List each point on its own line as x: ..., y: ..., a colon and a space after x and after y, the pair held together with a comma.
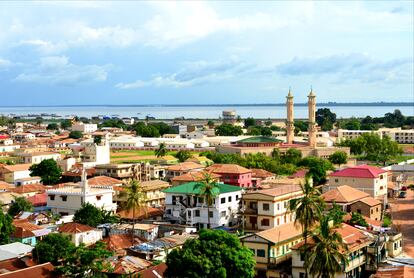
x: 393, y: 271
x: 344, y: 194
x: 5, y: 185
x: 17, y: 167
x: 260, y: 173
x: 362, y: 171
x: 194, y: 176
x: 370, y: 221
x: 74, y: 228
x: 12, y: 265
x: 154, y: 271
x: 45, y: 270
x: 141, y: 213
x: 25, y: 224
x: 28, y: 188
x: 119, y: 242
x: 228, y: 169
x: 103, y: 180
x: 299, y: 174
x: 185, y: 166
x: 38, y: 200
x: 20, y: 232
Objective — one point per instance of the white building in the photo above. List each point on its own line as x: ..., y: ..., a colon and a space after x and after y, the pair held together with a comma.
x: 11, y: 173
x: 185, y: 205
x: 200, y: 143
x: 126, y: 142
x: 37, y: 157
x: 146, y: 231
x: 79, y: 233
x: 128, y: 121
x: 92, y: 153
x: 401, y: 136
x: 68, y: 199
x: 84, y: 128
x: 23, y: 136
x: 179, y: 145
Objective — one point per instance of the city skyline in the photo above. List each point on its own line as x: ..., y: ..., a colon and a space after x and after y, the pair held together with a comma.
x: 56, y: 53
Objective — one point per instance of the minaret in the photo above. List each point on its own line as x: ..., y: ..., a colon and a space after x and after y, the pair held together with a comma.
x: 84, y: 182
x: 311, y: 119
x: 290, y: 126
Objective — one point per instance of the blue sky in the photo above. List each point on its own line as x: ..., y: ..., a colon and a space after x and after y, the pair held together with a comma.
x: 161, y: 52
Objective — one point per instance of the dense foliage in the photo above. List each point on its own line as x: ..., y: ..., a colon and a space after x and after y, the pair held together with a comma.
x: 48, y: 170
x: 358, y: 219
x: 371, y: 146
x: 6, y: 227
x: 338, y: 157
x: 228, y: 130
x: 183, y: 155
x: 259, y: 130
x: 92, y: 216
x: 215, y: 253
x: 336, y: 214
x: 325, y: 118
x: 317, y: 168
x: 52, y: 126
x: 53, y: 248
x: 75, y: 134
x: 118, y: 123
x: 18, y: 205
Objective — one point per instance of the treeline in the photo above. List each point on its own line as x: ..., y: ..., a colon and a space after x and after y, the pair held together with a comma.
x: 370, y: 146
x: 280, y: 164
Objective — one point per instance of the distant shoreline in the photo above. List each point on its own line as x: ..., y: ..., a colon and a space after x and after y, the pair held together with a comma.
x: 329, y: 104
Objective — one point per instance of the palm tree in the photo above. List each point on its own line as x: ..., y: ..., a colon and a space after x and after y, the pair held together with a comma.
x: 135, y: 199
x: 209, y: 189
x: 161, y: 151
x: 308, y: 209
x: 326, y: 254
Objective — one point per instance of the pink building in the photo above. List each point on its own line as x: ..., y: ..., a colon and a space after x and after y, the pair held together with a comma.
x: 232, y: 174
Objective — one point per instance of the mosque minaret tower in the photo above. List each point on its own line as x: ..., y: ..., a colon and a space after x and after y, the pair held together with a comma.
x: 311, y: 119
x: 290, y: 126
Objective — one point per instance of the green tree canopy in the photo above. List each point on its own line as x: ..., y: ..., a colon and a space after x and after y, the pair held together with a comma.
x: 52, y: 126
x: 53, y: 248
x: 338, y: 157
x: 325, y: 118
x: 336, y: 214
x: 48, y: 170
x: 317, y: 168
x: 292, y: 156
x: 161, y: 151
x: 18, y: 205
x: 358, y: 219
x: 228, y: 130
x: 215, y: 253
x: 183, y: 155
x: 6, y: 227
x: 65, y: 124
x: 146, y: 130
x: 89, y: 215
x: 248, y: 122
x: 75, y: 134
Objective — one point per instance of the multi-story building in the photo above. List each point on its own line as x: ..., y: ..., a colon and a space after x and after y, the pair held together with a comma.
x: 123, y: 143
x: 353, y: 200
x: 229, y: 117
x: 125, y: 172
x: 184, y: 204
x: 85, y: 128
x: 92, y: 153
x: 183, y: 168
x: 68, y: 199
x: 233, y: 174
x: 23, y: 136
x: 266, y: 209
x: 272, y: 247
x: 401, y: 136
x: 11, y: 173
x: 37, y: 157
x: 154, y: 195
x: 369, y: 179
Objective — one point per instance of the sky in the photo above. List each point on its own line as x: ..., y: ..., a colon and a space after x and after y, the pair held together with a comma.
x: 193, y: 52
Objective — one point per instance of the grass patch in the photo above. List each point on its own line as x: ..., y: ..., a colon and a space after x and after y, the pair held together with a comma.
x: 387, y: 222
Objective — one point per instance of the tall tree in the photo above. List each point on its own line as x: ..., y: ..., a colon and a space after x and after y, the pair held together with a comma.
x: 248, y: 122
x: 209, y: 189
x: 135, y: 199
x: 215, y: 253
x: 326, y: 252
x: 6, y: 227
x: 89, y: 215
x: 75, y: 134
x: 162, y: 150
x: 183, y: 155
x: 308, y: 210
x: 325, y: 118
x: 19, y: 204
x: 338, y: 157
x: 48, y: 170
x: 53, y: 248
x: 228, y: 130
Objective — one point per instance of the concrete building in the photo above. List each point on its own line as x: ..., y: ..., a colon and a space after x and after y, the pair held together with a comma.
x: 401, y: 136
x: 185, y: 205
x: 232, y: 174
x: 353, y: 200
x: 183, y: 168
x: 37, y: 157
x: 91, y: 153
x: 68, y: 199
x: 125, y: 142
x: 272, y: 247
x: 79, y: 233
x: 126, y: 172
x: 266, y: 209
x: 84, y: 128
x: 11, y: 173
x: 369, y: 179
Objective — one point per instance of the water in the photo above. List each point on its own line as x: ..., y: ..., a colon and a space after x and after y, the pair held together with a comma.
x: 202, y: 112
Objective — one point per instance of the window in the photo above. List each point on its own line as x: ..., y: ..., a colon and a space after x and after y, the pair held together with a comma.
x: 278, y: 206
x: 377, y: 209
x: 237, y: 197
x: 197, y: 213
x: 261, y: 253
x: 189, y: 213
x: 336, y: 180
x: 265, y: 222
x: 222, y: 200
x: 266, y: 207
x: 98, y: 197
x: 52, y: 197
x: 201, y: 200
x: 64, y: 198
x: 229, y: 199
x: 210, y: 214
x: 359, y: 211
x: 277, y: 221
x: 223, y: 214
x: 302, y: 257
x: 301, y: 275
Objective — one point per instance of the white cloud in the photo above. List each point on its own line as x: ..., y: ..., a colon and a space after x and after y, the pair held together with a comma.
x: 57, y: 70
x: 5, y: 64
x: 194, y: 73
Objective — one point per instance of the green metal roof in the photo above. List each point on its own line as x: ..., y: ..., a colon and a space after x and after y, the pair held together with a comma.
x: 260, y: 139
x: 189, y: 188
